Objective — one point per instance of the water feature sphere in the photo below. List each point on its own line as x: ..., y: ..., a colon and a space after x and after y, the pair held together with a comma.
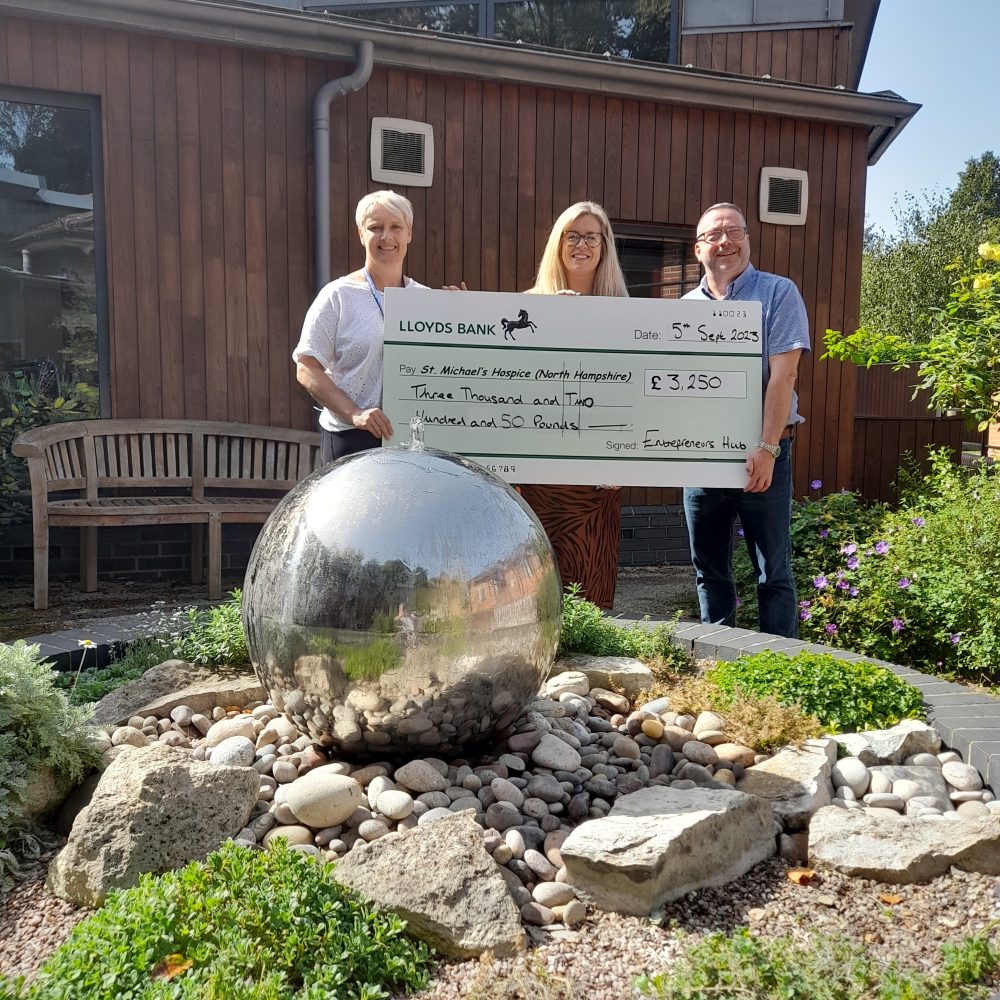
x: 402, y: 602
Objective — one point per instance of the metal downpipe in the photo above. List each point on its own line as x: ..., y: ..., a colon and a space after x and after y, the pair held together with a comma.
x: 321, y: 153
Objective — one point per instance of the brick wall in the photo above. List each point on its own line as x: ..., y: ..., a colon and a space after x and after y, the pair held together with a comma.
x: 653, y: 536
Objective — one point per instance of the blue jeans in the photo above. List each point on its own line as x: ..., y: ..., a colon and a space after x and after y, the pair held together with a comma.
x: 766, y: 522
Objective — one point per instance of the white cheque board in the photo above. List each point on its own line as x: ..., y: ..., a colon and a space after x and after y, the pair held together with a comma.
x: 578, y: 390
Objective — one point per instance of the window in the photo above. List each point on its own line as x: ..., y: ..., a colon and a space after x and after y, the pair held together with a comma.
x: 658, y: 262
x: 52, y: 299
x: 631, y: 29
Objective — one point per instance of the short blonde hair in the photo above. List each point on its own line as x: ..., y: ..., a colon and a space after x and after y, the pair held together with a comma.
x: 551, y: 277
x: 395, y: 203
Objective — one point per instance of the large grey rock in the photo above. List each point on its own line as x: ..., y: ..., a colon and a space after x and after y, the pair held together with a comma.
x: 900, y: 849
x: 796, y: 782
x: 154, y: 809
x: 615, y: 673
x: 891, y: 746
x: 177, y: 682
x: 439, y: 878
x: 661, y: 842
x: 909, y: 780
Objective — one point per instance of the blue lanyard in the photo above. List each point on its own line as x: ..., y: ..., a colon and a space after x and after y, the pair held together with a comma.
x: 376, y: 294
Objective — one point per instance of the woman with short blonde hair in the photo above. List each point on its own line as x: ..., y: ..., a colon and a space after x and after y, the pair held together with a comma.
x: 556, y: 271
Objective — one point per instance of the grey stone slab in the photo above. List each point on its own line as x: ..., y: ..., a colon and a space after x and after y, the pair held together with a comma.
x: 772, y: 643
x: 51, y: 653
x: 981, y: 754
x: 970, y: 704
x: 930, y: 687
x: 958, y: 720
x: 695, y: 630
x: 992, y: 775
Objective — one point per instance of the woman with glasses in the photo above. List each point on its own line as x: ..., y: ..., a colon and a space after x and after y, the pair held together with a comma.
x: 338, y: 359
x: 582, y: 522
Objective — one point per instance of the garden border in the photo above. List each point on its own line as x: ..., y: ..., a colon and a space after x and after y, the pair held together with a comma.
x: 966, y: 720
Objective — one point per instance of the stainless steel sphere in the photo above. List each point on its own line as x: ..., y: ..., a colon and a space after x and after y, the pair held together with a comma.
x: 402, y: 602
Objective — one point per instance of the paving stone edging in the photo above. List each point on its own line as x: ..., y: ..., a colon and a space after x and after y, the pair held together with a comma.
x: 966, y: 720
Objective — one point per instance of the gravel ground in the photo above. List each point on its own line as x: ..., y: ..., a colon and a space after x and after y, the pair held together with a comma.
x: 601, y: 960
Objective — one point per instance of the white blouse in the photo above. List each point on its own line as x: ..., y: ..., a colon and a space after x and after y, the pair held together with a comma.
x: 343, y: 331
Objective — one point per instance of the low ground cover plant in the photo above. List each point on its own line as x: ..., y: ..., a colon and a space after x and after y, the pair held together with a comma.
x: 844, y: 696
x: 585, y: 629
x: 213, y: 635
x: 92, y: 684
x: 745, y: 967
x: 242, y: 925
x: 39, y: 731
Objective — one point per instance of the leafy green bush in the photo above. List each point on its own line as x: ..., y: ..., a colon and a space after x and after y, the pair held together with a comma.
x: 214, y: 635
x: 844, y: 696
x: 741, y: 967
x: 921, y: 590
x: 821, y: 527
x: 39, y: 730
x: 585, y: 629
x: 94, y: 683
x: 243, y: 925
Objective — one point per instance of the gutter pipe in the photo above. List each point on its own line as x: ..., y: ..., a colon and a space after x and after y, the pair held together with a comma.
x: 331, y: 90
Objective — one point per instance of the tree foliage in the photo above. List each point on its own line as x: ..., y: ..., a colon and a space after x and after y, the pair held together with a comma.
x: 905, y: 277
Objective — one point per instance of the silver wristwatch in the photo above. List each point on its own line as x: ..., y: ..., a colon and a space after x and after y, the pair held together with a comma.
x: 774, y: 450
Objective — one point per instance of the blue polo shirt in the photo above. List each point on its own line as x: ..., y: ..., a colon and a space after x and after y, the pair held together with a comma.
x: 784, y: 320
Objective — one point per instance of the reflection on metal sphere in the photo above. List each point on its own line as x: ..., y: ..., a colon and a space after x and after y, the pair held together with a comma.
x: 402, y: 602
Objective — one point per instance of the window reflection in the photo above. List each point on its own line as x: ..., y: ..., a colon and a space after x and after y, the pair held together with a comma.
x: 658, y: 268
x: 457, y: 18
x: 48, y: 302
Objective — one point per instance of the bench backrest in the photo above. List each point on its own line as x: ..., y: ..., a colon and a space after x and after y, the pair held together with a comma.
x: 91, y: 455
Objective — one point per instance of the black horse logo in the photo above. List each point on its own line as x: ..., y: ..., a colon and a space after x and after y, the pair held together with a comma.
x: 521, y: 323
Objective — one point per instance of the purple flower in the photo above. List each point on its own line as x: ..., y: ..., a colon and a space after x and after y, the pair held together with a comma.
x: 842, y: 585
x: 824, y: 532
x: 820, y: 582
x: 740, y: 532
x: 738, y: 602
x: 805, y: 615
x: 898, y: 624
x: 854, y: 591
x: 903, y: 583
x: 816, y: 484
x: 830, y: 629
x: 955, y: 638
x: 919, y: 521
x: 849, y: 550
x: 881, y: 548
x: 805, y: 604
x: 853, y: 562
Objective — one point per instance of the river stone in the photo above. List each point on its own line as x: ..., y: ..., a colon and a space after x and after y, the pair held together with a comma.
x: 238, y: 725
x: 661, y: 842
x: 851, y: 773
x: 554, y: 754
x: 452, y: 896
x: 421, y: 776
x: 567, y: 682
x: 733, y: 753
x: 908, y: 781
x: 323, y: 798
x: 127, y: 831
x: 294, y: 833
x: 963, y: 777
x: 621, y: 673
x: 395, y: 803
x: 906, y: 850
x: 237, y: 751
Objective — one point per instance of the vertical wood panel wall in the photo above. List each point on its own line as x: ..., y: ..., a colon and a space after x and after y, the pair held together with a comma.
x: 801, y: 55
x: 207, y: 165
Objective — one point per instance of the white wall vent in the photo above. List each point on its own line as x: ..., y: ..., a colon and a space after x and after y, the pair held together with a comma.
x: 784, y: 195
x: 402, y: 152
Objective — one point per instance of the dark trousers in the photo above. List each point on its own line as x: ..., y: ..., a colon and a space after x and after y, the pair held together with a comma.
x: 337, y: 444
x: 766, y: 522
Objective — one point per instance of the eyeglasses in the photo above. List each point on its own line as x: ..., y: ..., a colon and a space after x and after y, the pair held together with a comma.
x: 737, y: 234
x: 592, y: 240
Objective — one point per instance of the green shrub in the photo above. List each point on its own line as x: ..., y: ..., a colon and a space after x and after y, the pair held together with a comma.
x: 214, y: 635
x: 94, y: 683
x: 39, y: 730
x: 741, y: 967
x: 243, y: 925
x: 585, y: 629
x: 844, y: 696
x: 922, y: 589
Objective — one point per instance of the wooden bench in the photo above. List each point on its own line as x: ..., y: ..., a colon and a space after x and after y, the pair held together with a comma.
x: 126, y: 472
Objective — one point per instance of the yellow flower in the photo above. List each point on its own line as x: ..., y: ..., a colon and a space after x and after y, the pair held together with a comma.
x: 989, y: 251
x: 86, y: 643
x: 982, y: 281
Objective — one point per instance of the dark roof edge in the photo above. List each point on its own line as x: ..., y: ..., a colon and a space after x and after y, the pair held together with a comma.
x: 329, y: 37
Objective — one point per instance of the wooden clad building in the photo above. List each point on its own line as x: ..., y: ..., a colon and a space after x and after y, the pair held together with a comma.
x: 206, y: 179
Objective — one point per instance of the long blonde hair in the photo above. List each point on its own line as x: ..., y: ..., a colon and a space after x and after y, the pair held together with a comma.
x: 551, y: 276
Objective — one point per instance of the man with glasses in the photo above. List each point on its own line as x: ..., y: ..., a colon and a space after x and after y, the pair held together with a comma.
x: 764, y: 505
